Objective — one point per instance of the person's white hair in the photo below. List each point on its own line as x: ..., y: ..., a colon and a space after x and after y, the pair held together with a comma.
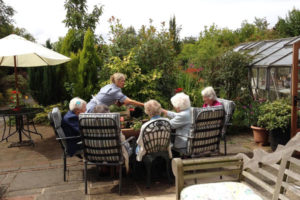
x: 181, y: 101
x: 209, y: 92
x: 152, y: 108
x: 76, y: 103
x: 116, y: 77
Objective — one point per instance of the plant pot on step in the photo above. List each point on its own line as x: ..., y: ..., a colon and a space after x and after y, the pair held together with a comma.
x: 260, y: 135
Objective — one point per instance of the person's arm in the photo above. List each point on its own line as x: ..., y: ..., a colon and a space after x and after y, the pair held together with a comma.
x: 132, y: 102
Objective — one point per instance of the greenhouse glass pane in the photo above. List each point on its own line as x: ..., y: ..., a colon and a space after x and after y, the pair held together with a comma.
x: 275, y: 47
x: 280, y: 79
x: 262, y: 78
x: 254, y: 78
x: 276, y: 56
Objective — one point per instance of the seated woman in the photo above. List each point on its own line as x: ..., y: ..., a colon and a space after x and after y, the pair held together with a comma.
x: 209, y: 97
x: 70, y: 124
x: 153, y: 110
x: 126, y: 149
x: 180, y: 120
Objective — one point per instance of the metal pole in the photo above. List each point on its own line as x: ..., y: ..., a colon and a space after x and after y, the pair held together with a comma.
x: 16, y: 81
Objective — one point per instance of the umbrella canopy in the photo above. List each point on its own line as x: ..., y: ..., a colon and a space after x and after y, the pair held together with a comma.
x: 16, y: 51
x: 28, y: 54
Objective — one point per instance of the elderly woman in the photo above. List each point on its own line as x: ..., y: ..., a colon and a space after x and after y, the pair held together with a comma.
x: 209, y: 97
x: 153, y: 110
x: 181, y: 119
x: 112, y: 94
x: 70, y: 124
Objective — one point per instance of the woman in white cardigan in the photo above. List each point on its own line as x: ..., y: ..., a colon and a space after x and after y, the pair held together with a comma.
x: 181, y: 119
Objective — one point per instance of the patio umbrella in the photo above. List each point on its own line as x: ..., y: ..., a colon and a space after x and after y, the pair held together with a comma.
x: 16, y: 51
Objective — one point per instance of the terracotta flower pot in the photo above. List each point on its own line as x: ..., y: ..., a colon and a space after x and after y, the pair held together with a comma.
x: 260, y: 135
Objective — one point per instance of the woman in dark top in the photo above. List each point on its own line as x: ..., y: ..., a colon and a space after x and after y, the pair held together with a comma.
x: 70, y: 124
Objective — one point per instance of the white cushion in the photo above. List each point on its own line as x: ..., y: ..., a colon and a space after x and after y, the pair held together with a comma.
x: 219, y: 191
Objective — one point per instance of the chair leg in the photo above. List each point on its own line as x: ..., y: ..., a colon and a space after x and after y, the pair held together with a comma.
x: 225, y: 146
x: 120, y: 179
x: 148, y: 164
x: 168, y: 170
x: 65, y: 165
x: 85, y: 177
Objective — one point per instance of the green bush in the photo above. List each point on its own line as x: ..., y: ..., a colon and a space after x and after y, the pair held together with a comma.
x: 275, y: 115
x: 42, y: 118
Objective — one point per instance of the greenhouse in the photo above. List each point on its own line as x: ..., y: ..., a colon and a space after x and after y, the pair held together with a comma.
x: 271, y: 67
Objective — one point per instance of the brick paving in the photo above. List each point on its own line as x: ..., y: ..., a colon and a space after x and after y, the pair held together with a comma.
x: 36, y: 173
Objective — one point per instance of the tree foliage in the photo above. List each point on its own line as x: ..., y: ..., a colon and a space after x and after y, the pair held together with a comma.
x: 290, y: 26
x: 87, y: 68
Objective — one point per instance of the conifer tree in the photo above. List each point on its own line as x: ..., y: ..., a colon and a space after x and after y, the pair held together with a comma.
x: 87, y: 69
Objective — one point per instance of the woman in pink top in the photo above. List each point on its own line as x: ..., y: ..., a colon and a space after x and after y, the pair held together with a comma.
x: 209, y: 97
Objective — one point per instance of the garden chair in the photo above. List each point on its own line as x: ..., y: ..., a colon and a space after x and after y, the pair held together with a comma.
x: 156, y: 139
x: 229, y: 107
x: 55, y: 121
x: 101, y: 140
x: 206, y: 131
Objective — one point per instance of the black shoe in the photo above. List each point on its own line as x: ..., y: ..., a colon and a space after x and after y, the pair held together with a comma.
x: 79, y: 156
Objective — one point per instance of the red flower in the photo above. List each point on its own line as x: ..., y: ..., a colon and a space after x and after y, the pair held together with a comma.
x: 178, y: 90
x: 131, y: 109
x: 14, y: 92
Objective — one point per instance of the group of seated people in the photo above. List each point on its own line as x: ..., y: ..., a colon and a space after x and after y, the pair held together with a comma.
x: 180, y: 120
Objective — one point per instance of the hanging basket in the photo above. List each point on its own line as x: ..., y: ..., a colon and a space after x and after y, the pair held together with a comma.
x: 260, y: 135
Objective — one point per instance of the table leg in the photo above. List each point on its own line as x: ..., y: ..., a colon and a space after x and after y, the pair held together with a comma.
x: 20, y: 129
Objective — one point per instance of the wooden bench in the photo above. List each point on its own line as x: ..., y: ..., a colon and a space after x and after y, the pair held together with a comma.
x: 273, y: 181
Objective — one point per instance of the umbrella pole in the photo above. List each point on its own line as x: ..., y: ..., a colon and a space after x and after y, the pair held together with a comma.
x: 16, y: 81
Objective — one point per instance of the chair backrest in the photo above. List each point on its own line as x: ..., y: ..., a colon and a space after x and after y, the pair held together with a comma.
x: 156, y: 136
x: 100, y: 134
x: 55, y: 121
x: 229, y: 107
x: 206, y: 130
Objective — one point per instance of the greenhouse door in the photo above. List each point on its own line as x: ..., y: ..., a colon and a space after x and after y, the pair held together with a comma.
x: 295, y: 91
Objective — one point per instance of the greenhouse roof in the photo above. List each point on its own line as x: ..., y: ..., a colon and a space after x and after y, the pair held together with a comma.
x: 270, y: 53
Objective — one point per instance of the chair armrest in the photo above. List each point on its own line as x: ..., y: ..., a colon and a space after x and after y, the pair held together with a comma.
x: 128, y: 139
x: 67, y: 138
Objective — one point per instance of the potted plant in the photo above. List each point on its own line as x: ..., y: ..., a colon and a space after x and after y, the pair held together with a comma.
x: 276, y: 118
x: 260, y: 134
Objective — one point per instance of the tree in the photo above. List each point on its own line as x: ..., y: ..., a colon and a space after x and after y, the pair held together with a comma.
x: 290, y: 26
x: 80, y: 21
x: 87, y: 69
x: 78, y: 18
x: 6, y: 21
x: 174, y: 34
x: 122, y: 39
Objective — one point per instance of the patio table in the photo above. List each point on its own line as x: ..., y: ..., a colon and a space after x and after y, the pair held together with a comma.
x: 20, y: 127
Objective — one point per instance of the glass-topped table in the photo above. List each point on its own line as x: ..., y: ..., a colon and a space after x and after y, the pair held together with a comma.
x: 23, y: 119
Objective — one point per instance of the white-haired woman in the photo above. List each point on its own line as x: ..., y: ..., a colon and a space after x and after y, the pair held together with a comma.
x: 209, y: 97
x: 70, y: 124
x: 112, y: 94
x: 181, y: 119
x: 153, y: 110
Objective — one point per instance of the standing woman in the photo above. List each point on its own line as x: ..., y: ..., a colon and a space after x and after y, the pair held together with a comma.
x: 112, y: 94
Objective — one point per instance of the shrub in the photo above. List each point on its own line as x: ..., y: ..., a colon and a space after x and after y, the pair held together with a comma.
x: 275, y: 115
